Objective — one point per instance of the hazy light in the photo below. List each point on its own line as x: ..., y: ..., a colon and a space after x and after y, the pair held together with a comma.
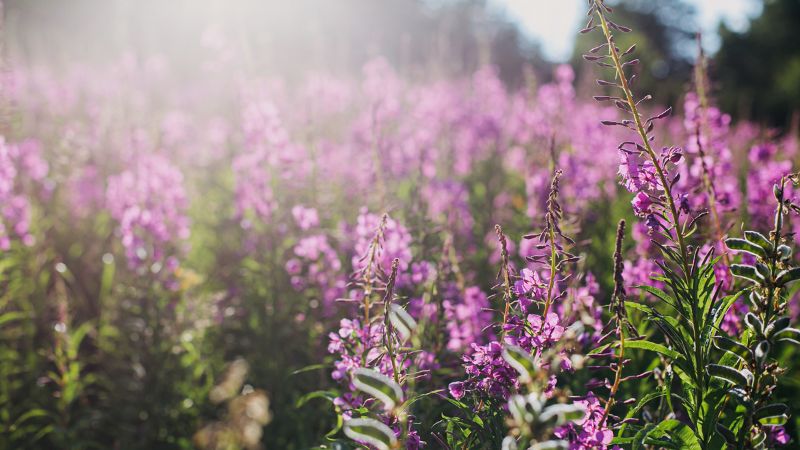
x: 554, y: 23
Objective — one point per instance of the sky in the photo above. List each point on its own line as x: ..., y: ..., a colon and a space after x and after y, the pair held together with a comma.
x: 554, y: 23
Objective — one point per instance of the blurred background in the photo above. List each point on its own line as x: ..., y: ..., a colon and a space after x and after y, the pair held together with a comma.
x: 755, y: 64
x: 220, y: 116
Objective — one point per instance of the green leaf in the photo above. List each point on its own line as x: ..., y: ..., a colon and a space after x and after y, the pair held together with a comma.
x: 764, y: 271
x: 734, y: 348
x: 563, y: 413
x: 378, y: 386
x: 772, y: 415
x: 638, y: 439
x: 788, y: 276
x: 746, y: 272
x: 310, y: 368
x: 789, y: 334
x: 743, y: 245
x: 678, y: 433
x: 754, y: 323
x: 726, y: 434
x: 647, y: 398
x: 774, y: 421
x: 758, y: 440
x: 658, y: 293
x: 326, y: 395
x: 759, y: 239
x: 601, y: 348
x: 402, y: 321
x: 762, y: 351
x: 776, y: 326
x: 521, y: 406
x: 729, y: 374
x: 372, y: 432
x: 10, y: 317
x: 31, y: 414
x: 520, y: 360
x: 722, y: 307
x: 653, y: 347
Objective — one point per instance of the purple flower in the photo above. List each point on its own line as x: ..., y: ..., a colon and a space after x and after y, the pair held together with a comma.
x: 306, y: 218
x: 777, y: 436
x: 467, y: 318
x: 641, y: 204
x: 149, y: 204
x: 456, y: 389
x: 590, y: 432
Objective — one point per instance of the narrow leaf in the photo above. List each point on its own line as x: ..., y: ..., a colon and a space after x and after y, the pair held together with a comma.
x: 728, y: 374
x: 372, y: 432
x: 653, y: 347
x: 520, y: 360
x: 379, y: 386
x: 743, y: 245
x: 402, y: 321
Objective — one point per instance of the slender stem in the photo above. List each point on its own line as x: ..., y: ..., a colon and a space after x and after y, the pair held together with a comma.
x: 618, y: 302
x: 698, y: 356
x: 643, y: 134
x: 388, y: 328
x: 506, y: 275
x: 372, y: 255
x: 553, y: 272
x: 617, y: 376
x: 552, y: 232
x: 703, y: 127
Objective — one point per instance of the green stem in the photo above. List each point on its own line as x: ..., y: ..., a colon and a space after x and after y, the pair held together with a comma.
x: 699, y: 360
x: 643, y: 134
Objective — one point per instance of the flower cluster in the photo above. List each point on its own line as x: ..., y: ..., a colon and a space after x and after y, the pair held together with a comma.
x: 395, y: 243
x: 22, y: 171
x: 314, y: 263
x: 588, y: 432
x: 466, y: 318
x: 149, y: 204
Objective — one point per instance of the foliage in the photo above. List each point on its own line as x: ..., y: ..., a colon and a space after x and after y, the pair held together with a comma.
x: 349, y: 263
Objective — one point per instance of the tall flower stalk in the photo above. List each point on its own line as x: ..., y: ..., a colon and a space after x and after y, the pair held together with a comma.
x: 692, y: 292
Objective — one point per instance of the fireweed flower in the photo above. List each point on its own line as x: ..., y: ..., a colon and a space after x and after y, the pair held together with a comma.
x: 395, y: 243
x: 377, y: 345
x: 87, y: 190
x: 269, y: 157
x: 357, y: 346
x: 149, y: 205
x: 306, y: 218
x: 709, y: 157
x: 488, y: 374
x: 765, y: 171
x: 23, y: 174
x: 542, y: 121
x: 588, y: 432
x: 466, y: 318
x: 639, y: 270
x: 693, y: 296
x: 314, y: 263
x: 448, y: 203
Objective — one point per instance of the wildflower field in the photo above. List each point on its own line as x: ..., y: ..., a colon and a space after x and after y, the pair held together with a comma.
x: 393, y: 260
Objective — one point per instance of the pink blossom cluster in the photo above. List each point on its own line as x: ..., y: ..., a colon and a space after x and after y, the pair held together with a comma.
x: 22, y: 174
x: 148, y: 202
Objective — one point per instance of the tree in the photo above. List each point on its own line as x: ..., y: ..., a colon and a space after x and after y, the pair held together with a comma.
x: 758, y: 70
